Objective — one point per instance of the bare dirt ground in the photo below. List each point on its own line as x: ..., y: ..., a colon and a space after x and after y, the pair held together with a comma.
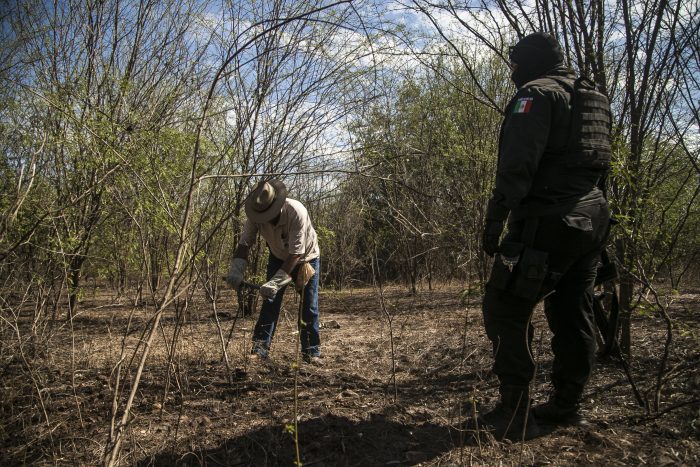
x: 349, y: 412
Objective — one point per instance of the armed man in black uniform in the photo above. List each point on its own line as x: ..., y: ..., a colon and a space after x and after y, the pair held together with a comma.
x: 551, y: 161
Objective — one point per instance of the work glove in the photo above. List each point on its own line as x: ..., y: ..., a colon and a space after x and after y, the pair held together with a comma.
x: 492, y: 236
x: 306, y: 272
x: 234, y: 278
x: 270, y: 288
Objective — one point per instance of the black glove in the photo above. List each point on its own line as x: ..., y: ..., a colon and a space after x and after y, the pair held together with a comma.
x: 496, y: 215
x: 491, y: 236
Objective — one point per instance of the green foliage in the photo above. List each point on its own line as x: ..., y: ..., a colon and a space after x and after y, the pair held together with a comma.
x: 656, y: 204
x: 326, y: 238
x: 432, y: 153
x: 469, y: 293
x: 645, y: 310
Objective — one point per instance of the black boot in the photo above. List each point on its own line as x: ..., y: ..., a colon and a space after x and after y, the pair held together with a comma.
x: 551, y: 413
x: 563, y: 408
x: 511, y: 418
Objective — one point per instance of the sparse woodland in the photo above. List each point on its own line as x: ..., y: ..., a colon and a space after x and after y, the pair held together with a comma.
x: 131, y: 134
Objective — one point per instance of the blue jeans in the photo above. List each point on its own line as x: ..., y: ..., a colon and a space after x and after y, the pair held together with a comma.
x: 309, y: 324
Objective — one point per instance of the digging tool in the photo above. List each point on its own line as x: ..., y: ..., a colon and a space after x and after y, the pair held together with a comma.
x: 245, y: 285
x: 249, y: 285
x: 304, y: 274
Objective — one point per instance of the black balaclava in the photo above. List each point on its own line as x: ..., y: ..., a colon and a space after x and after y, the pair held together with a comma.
x: 535, y: 54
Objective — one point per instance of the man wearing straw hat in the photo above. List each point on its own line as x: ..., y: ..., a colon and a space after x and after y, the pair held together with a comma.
x: 294, y: 255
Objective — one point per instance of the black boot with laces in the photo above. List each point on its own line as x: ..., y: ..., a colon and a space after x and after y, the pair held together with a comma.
x: 511, y: 418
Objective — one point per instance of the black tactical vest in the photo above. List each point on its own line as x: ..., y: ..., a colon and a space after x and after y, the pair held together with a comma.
x: 578, y: 167
x: 588, y: 146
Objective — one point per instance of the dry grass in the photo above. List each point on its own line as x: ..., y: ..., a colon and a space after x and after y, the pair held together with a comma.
x: 187, y: 412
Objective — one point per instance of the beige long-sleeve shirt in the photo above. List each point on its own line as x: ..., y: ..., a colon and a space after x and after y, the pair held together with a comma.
x: 292, y: 235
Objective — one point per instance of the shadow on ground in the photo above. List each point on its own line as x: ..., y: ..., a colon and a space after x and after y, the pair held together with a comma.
x: 326, y: 441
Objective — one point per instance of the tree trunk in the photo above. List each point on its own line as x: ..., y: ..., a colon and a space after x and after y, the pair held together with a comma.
x: 74, y: 285
x: 626, y: 294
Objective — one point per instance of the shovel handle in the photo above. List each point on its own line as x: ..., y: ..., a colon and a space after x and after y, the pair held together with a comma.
x: 244, y: 284
x: 249, y: 285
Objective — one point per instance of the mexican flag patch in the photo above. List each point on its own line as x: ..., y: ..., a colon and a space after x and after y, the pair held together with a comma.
x: 523, y: 105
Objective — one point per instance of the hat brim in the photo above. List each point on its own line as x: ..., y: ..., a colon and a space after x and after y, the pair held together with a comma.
x: 274, y: 209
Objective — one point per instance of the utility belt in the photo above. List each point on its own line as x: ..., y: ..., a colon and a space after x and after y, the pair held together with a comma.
x: 523, y: 270
x: 543, y: 210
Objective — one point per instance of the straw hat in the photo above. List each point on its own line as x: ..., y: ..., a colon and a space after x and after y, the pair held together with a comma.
x: 265, y: 201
